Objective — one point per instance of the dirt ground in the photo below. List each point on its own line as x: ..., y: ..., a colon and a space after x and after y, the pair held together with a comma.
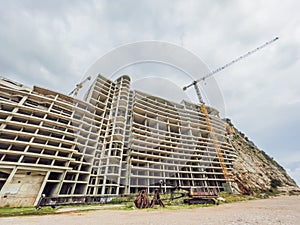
x: 279, y: 210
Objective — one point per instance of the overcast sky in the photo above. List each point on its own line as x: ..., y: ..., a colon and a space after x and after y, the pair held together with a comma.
x: 53, y: 43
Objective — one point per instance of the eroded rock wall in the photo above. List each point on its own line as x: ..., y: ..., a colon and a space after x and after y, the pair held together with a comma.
x: 254, y: 171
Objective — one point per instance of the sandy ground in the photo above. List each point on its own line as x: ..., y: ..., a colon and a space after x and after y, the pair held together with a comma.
x: 280, y: 210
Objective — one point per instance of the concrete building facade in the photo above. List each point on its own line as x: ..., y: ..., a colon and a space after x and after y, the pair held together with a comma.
x: 116, y: 141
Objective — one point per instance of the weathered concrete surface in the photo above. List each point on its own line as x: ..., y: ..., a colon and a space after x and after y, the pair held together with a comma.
x: 280, y: 210
x: 22, y: 190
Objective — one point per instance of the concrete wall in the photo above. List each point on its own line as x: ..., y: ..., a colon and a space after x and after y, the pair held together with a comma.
x: 22, y: 189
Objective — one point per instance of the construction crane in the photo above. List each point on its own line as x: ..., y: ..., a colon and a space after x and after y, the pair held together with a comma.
x: 79, y: 86
x: 227, y: 65
x: 227, y: 174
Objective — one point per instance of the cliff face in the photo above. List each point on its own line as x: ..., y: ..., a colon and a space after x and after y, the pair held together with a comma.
x: 254, y: 171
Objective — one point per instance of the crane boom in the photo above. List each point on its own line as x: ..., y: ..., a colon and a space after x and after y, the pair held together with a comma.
x: 230, y: 63
x: 79, y: 86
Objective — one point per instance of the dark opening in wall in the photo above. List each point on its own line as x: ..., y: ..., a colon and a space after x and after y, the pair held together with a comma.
x: 99, y: 191
x: 28, y: 159
x: 66, y: 188
x: 11, y: 158
x: 85, y: 168
x: 35, y: 150
x: 3, y: 175
x: 54, y: 176
x: 50, y: 189
x: 7, y: 108
x: 59, y: 163
x: 2, y: 182
x: 82, y: 177
x: 69, y: 138
x: 24, y: 138
x: 3, y: 116
x: 7, y: 136
x: 79, y: 189
x: 20, y: 120
x: 42, y: 132
x: 56, y: 144
x: 63, y: 154
x: 39, y: 115
x: 49, y: 152
x: 45, y: 161
x: 29, y: 130
x: 49, y: 117
x: 70, y: 176
x: 39, y: 141
x: 34, y: 122
x: 59, y: 136
x: 4, y: 146
x: 12, y: 127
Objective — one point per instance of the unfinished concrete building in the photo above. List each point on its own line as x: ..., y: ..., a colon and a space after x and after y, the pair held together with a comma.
x: 116, y: 141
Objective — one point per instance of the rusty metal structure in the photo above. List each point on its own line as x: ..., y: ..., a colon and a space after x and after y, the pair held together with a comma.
x: 156, y: 199
x: 142, y: 200
x: 202, y: 196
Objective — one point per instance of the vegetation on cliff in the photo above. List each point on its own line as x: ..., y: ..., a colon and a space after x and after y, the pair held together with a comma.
x: 254, y: 171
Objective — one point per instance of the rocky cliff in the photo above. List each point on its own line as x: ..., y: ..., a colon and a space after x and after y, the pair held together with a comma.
x: 254, y: 171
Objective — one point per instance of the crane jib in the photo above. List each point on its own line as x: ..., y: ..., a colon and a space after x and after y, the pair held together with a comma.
x: 230, y: 63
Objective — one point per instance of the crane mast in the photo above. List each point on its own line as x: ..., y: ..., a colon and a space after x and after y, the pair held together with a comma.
x: 212, y: 135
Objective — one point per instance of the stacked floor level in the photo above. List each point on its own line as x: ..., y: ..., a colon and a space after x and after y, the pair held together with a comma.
x: 115, y: 141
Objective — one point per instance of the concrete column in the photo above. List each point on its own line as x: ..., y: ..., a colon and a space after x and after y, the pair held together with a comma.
x: 42, y: 188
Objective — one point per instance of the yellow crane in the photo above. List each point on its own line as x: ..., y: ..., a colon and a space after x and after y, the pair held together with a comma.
x: 79, y: 86
x: 227, y: 174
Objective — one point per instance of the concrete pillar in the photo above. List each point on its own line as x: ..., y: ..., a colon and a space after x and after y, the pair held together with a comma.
x: 42, y: 188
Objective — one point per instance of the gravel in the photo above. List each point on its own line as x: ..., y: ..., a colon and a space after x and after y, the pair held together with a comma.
x: 279, y: 210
